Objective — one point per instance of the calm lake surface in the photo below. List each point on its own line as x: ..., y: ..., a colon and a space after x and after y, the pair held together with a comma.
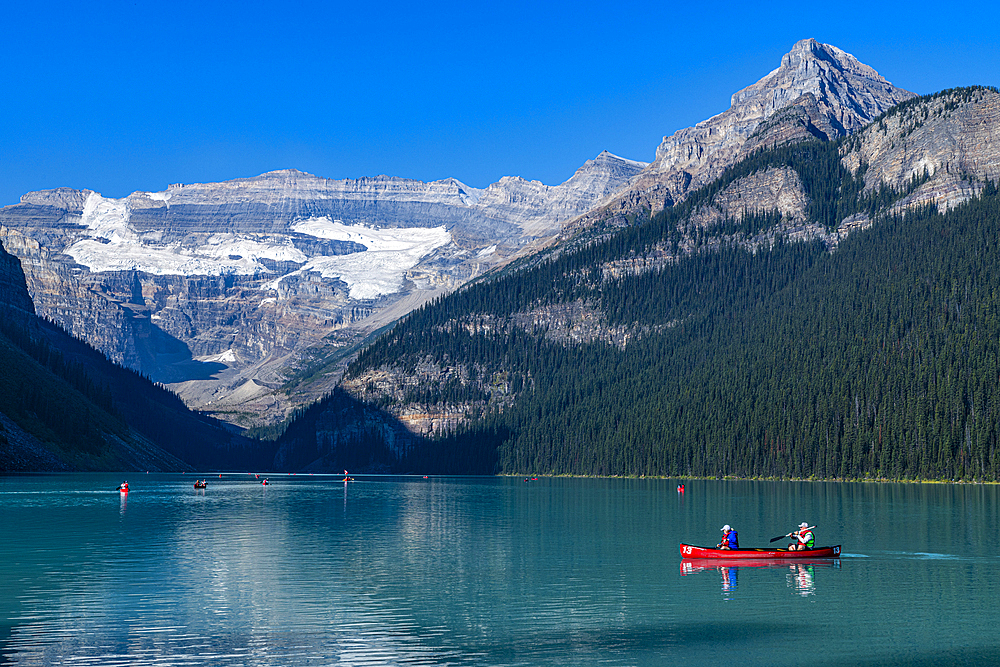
x: 488, y: 571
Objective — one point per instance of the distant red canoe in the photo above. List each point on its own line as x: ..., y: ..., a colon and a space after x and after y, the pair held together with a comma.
x: 691, y: 551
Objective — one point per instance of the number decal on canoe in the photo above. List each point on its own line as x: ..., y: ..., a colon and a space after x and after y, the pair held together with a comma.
x: 836, y: 551
x: 686, y: 549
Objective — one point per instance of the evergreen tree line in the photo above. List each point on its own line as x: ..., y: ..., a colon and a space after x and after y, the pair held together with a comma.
x: 339, y: 432
x: 68, y: 395
x: 53, y: 399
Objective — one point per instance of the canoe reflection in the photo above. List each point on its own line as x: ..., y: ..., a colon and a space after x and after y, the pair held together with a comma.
x: 799, y: 574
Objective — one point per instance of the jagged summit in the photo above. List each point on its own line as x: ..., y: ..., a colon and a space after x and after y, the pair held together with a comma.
x: 808, y: 51
x: 849, y: 93
x: 835, y: 94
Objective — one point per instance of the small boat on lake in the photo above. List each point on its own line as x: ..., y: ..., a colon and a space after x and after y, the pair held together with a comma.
x: 692, y: 552
x: 200, y: 485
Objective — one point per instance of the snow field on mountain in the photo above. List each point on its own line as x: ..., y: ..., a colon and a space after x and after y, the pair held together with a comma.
x: 112, y: 244
x: 381, y: 268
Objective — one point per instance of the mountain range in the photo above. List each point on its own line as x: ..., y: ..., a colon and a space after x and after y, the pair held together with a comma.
x: 219, y: 290
x: 249, y: 298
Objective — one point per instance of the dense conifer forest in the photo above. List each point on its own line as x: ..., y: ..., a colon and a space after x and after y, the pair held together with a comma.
x: 878, y: 360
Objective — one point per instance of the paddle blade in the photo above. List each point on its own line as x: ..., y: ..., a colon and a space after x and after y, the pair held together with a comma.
x: 779, y: 537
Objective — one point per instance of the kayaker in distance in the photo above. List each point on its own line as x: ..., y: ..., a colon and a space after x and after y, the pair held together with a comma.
x: 804, y: 538
x: 730, y: 540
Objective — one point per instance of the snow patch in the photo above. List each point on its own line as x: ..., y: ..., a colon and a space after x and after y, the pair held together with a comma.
x: 229, y: 356
x: 122, y: 254
x: 114, y: 245
x: 380, y: 270
x: 924, y: 164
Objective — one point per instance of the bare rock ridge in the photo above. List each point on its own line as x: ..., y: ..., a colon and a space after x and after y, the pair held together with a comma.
x: 822, y: 90
x: 951, y: 139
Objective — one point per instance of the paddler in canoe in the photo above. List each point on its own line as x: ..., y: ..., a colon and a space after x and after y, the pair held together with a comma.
x: 804, y: 538
x: 730, y: 540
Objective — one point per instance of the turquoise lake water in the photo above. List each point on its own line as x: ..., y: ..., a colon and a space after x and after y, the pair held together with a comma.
x: 488, y: 571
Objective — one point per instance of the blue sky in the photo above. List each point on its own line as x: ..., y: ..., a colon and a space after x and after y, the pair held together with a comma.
x: 125, y: 96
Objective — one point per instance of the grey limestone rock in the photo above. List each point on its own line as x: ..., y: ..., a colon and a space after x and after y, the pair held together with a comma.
x: 817, y: 91
x: 220, y: 289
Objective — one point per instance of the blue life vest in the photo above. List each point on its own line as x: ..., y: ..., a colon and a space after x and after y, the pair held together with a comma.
x: 734, y: 542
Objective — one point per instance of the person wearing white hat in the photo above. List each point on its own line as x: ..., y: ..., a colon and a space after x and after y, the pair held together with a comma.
x: 804, y: 538
x: 730, y: 540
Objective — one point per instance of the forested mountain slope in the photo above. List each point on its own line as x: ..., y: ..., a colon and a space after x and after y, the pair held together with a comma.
x: 824, y: 309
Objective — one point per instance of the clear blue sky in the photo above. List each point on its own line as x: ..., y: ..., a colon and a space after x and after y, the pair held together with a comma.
x: 124, y: 96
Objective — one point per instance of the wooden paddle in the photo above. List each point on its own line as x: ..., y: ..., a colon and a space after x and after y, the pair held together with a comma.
x: 775, y: 539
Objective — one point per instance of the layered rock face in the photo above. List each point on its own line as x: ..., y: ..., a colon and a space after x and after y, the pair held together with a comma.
x: 218, y: 289
x: 950, y: 139
x: 14, y: 299
x: 817, y: 91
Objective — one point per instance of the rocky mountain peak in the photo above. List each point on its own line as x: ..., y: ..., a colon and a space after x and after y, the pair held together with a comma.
x: 835, y: 94
x: 849, y: 93
x: 807, y: 54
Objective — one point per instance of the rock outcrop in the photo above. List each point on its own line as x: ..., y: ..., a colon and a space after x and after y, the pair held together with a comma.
x: 817, y: 91
x: 951, y: 139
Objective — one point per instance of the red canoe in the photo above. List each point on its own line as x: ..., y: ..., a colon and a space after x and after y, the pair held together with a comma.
x: 691, y: 551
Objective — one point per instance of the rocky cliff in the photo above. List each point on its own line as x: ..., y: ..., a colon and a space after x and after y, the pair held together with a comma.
x: 951, y: 139
x: 222, y: 289
x: 818, y: 91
